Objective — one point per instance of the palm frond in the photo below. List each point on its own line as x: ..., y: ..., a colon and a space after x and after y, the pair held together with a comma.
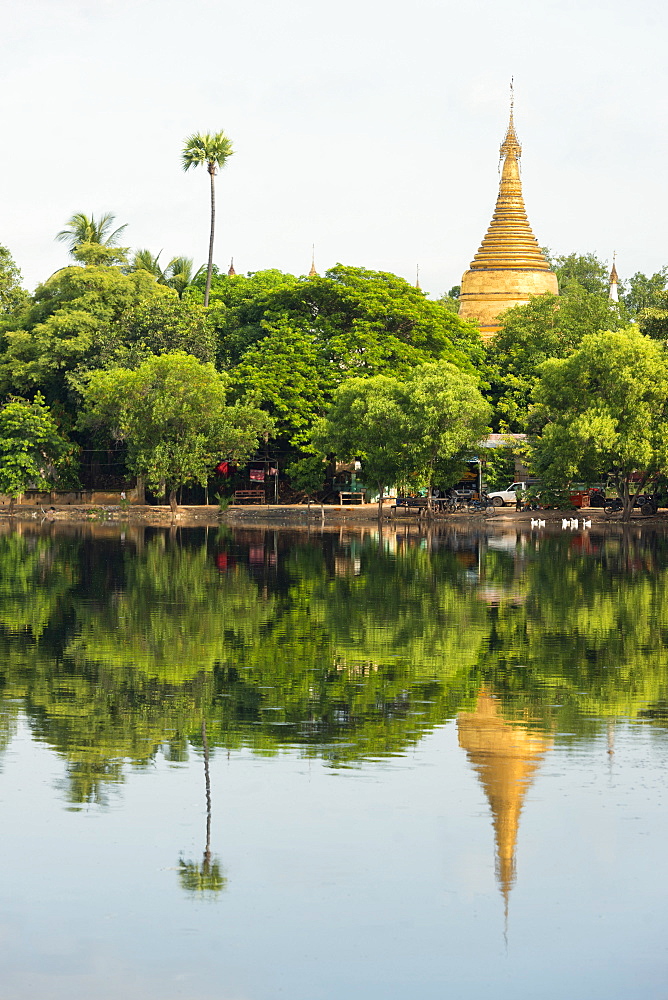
x: 144, y: 260
x: 209, y: 147
x: 81, y: 228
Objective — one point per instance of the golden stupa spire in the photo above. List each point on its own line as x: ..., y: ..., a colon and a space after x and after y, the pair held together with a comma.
x: 511, y: 144
x: 509, y: 241
x: 505, y: 756
x: 231, y: 273
x: 614, y: 277
x: 417, y: 277
x: 313, y: 273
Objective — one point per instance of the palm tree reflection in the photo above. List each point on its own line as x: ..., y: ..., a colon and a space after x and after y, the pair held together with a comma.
x: 208, y: 875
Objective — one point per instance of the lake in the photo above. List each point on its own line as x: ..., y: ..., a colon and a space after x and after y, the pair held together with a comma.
x: 253, y: 764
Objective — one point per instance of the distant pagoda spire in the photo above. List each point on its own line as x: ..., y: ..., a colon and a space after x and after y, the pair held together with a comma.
x: 231, y: 272
x: 417, y: 277
x: 313, y: 273
x: 614, y: 280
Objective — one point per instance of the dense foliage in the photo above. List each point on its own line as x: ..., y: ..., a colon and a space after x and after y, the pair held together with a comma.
x: 604, y: 409
x: 172, y: 412
x: 292, y: 344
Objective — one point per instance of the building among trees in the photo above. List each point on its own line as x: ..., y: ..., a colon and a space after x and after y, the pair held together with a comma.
x: 509, y: 267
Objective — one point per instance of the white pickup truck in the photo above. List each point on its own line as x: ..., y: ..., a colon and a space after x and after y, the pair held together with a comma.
x: 502, y: 497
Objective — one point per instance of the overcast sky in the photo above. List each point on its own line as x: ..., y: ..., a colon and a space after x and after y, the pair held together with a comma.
x: 370, y: 129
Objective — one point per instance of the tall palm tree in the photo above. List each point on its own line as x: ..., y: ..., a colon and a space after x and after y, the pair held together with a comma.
x: 82, y: 229
x: 213, y: 150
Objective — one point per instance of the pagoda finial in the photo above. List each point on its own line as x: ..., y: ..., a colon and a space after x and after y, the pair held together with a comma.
x: 313, y: 273
x: 231, y: 272
x: 614, y: 280
x: 511, y: 144
x: 417, y: 277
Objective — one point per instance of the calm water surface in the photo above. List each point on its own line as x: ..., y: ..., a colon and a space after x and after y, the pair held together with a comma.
x: 250, y: 765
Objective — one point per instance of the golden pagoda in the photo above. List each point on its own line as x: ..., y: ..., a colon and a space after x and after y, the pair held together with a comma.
x: 505, y: 756
x: 509, y: 267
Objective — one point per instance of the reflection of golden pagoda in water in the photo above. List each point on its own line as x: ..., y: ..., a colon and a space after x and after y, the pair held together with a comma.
x: 505, y: 755
x: 509, y: 267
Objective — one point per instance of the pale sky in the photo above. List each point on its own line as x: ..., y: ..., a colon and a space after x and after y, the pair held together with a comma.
x: 370, y: 129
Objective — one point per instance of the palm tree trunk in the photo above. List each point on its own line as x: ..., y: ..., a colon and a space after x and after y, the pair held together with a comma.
x: 207, y: 783
x: 212, y: 174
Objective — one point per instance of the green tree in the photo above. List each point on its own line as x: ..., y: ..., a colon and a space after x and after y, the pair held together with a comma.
x: 307, y: 475
x: 653, y: 320
x: 404, y: 428
x: 583, y: 270
x: 548, y: 326
x: 172, y: 412
x: 646, y: 292
x: 366, y: 322
x: 500, y: 466
x: 292, y: 341
x: 12, y: 296
x: 88, y: 238
x: 86, y: 318
x: 288, y: 375
x: 32, y: 449
x: 366, y: 421
x: 214, y: 150
x: 604, y: 410
x: 445, y: 417
x: 450, y: 300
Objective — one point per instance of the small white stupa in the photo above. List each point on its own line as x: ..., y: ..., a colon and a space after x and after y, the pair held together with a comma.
x: 614, y: 281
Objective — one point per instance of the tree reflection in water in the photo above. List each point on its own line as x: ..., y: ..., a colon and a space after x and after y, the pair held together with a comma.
x: 343, y: 645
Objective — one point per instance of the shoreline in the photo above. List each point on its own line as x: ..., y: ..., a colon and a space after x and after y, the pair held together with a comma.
x: 292, y: 515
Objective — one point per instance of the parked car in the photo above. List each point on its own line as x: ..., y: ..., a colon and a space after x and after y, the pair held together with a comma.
x: 502, y: 497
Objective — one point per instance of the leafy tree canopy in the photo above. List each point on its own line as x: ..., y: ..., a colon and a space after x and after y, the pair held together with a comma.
x: 287, y: 373
x: 646, y: 292
x: 548, y: 326
x: 12, y: 295
x: 172, y: 412
x: 653, y: 320
x: 292, y: 341
x: 366, y: 420
x: 604, y: 409
x: 585, y: 270
x: 366, y: 321
x: 84, y: 318
x: 402, y: 428
x: 32, y: 449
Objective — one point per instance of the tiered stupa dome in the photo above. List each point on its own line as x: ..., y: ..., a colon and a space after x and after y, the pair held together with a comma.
x: 509, y: 267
